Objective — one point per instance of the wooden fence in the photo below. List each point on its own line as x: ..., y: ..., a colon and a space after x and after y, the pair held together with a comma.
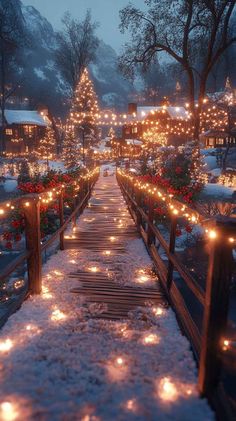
x: 209, y: 341
x: 30, y: 207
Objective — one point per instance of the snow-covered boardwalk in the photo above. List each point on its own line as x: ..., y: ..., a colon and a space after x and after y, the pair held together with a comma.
x: 69, y: 355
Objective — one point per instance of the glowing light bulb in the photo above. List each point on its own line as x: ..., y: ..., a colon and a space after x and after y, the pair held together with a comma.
x: 93, y: 269
x: 57, y: 315
x: 6, y: 345
x: 151, y: 339
x: 167, y: 390
x: 212, y: 234
x: 8, y: 412
x: 119, y: 361
x: 157, y: 311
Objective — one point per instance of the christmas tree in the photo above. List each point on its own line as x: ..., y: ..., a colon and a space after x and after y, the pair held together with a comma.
x: 47, y: 146
x: 70, y: 154
x: 111, y: 133
x: 84, y: 111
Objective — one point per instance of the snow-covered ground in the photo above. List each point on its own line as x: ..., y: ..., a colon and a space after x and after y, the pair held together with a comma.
x: 58, y: 363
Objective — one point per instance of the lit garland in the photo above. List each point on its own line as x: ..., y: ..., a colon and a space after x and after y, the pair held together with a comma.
x: 45, y: 198
x: 176, y: 208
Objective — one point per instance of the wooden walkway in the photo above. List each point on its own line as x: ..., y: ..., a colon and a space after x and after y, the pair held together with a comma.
x: 105, y: 233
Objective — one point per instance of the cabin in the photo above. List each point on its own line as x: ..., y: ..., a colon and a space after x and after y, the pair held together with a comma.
x: 218, y: 139
x: 23, y: 131
x: 174, y: 122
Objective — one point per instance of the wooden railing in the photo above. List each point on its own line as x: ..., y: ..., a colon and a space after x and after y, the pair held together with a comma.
x: 209, y: 338
x: 30, y: 207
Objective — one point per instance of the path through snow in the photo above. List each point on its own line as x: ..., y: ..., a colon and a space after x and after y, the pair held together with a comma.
x: 58, y: 363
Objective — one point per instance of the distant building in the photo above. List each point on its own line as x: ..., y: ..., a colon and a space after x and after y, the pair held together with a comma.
x: 174, y: 121
x: 218, y: 139
x: 23, y: 131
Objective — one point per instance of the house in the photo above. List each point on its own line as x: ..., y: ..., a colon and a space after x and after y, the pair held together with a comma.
x: 174, y: 122
x: 218, y: 139
x: 23, y: 130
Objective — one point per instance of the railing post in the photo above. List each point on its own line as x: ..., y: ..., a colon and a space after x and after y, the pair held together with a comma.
x: 219, y: 276
x: 150, y: 236
x: 61, y: 217
x: 33, y: 243
x: 173, y: 226
x: 138, y: 197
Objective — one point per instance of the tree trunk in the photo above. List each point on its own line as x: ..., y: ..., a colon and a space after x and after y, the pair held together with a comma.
x: 3, y: 102
x: 198, y: 110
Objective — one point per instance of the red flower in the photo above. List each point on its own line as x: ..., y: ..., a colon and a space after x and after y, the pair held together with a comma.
x: 17, y: 237
x: 188, y: 228
x: 7, y: 236
x: 15, y: 224
x: 178, y: 232
x: 178, y: 170
x: 159, y: 211
x: 9, y: 245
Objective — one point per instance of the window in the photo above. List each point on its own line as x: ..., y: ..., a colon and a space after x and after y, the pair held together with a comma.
x: 9, y: 132
x: 211, y: 141
x: 135, y: 130
x: 220, y: 142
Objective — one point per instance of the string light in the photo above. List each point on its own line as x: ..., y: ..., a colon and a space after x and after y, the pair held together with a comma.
x: 177, y: 208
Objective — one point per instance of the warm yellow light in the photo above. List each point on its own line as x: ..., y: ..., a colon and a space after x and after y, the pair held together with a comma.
x: 8, y: 412
x: 226, y: 345
x: 151, y: 339
x: 6, y: 345
x: 93, y: 269
x: 167, y: 390
x: 27, y: 204
x: 157, y: 311
x: 57, y: 315
x: 107, y: 252
x: 212, y: 234
x: 119, y: 361
x: 1, y: 211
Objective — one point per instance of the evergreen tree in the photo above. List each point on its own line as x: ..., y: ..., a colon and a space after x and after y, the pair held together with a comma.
x: 70, y: 154
x: 111, y: 133
x: 47, y: 146
x: 24, y: 174
x: 85, y: 110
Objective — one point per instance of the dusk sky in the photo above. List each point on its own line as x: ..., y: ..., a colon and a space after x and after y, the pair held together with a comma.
x: 106, y: 12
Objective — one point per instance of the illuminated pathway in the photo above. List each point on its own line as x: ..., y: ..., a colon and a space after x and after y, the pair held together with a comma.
x: 74, y: 353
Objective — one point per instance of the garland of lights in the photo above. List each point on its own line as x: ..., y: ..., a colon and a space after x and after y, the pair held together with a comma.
x: 176, y: 208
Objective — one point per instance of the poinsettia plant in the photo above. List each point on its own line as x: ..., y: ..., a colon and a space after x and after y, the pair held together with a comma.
x: 49, y: 213
x: 177, y: 173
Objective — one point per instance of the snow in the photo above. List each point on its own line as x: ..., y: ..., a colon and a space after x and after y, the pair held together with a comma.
x: 40, y: 73
x: 25, y: 117
x: 10, y: 186
x: 58, y: 363
x: 210, y: 161
x: 218, y: 191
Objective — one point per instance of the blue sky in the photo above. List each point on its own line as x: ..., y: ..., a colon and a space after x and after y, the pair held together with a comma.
x: 106, y: 12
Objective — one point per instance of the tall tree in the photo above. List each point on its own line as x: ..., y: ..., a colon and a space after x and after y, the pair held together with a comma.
x: 77, y: 45
x: 70, y: 155
x: 11, y: 36
x: 194, y: 33
x: 47, y: 146
x: 84, y: 111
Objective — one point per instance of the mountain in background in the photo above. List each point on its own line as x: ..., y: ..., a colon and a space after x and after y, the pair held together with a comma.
x: 41, y: 82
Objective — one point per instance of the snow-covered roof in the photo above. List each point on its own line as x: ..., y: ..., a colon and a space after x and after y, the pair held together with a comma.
x: 26, y: 117
x: 175, y: 113
x: 135, y: 142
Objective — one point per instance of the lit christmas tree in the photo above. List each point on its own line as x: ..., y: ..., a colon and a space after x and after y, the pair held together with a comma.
x: 47, y: 146
x: 70, y: 154
x: 111, y: 133
x: 84, y: 111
